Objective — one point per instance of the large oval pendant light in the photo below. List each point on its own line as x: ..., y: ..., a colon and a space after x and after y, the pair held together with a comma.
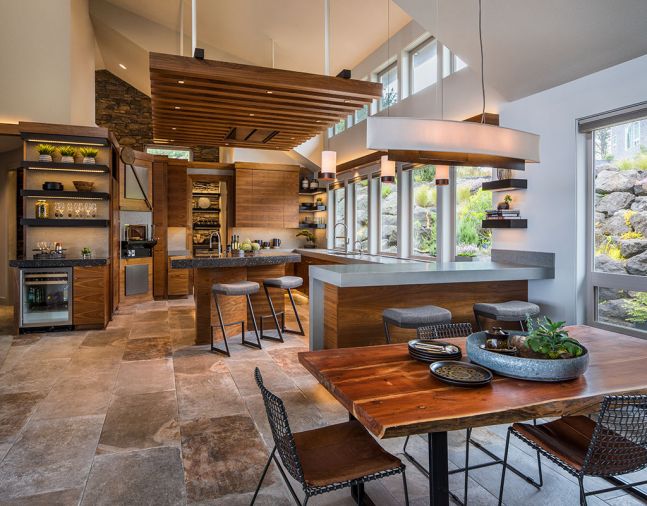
x: 442, y: 142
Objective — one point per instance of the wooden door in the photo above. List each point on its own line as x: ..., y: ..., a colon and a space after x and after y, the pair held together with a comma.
x: 291, y: 199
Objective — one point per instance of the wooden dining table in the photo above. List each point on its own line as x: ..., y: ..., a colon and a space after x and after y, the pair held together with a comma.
x: 393, y: 395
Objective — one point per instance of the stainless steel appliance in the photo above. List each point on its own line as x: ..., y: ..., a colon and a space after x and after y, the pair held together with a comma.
x: 46, y: 297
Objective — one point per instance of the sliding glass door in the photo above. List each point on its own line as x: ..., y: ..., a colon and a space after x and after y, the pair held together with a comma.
x: 617, y: 281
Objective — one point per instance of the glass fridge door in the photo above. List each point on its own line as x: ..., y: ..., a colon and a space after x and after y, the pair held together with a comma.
x: 46, y: 298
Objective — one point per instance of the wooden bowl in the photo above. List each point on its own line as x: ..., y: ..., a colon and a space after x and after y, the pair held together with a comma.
x: 83, y: 186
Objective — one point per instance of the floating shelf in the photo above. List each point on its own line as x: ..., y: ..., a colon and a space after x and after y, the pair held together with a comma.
x: 505, y: 223
x: 65, y: 139
x: 63, y: 222
x: 502, y: 185
x: 70, y: 195
x: 312, y: 225
x: 65, y: 167
x: 205, y: 227
x: 216, y: 210
x: 203, y: 194
x: 313, y: 210
x: 318, y: 191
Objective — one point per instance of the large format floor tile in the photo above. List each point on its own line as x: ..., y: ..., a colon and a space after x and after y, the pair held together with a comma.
x: 145, y: 376
x: 15, y: 410
x: 147, y: 477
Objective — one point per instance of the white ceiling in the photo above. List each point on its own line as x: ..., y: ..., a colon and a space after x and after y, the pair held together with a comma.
x: 242, y: 31
x: 533, y: 45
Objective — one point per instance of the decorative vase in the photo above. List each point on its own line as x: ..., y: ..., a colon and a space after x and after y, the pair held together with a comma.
x: 503, y: 205
x: 89, y: 159
x: 44, y: 158
x: 67, y: 159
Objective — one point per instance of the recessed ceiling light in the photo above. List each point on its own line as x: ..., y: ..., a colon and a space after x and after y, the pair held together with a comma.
x: 173, y: 128
x: 318, y: 121
x: 292, y: 138
x: 251, y: 114
x: 177, y: 107
x: 346, y: 101
x: 123, y: 66
x: 180, y: 82
x: 269, y: 92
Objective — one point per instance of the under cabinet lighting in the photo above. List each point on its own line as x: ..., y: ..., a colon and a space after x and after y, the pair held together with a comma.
x: 123, y: 66
x: 47, y: 197
x: 76, y: 143
x: 53, y: 169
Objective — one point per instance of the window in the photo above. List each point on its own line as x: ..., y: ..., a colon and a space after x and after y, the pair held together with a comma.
x: 171, y: 151
x: 388, y: 218
x: 340, y: 127
x: 424, y: 65
x: 617, y: 286
x: 471, y: 203
x: 389, y: 79
x: 451, y: 62
x: 361, y: 114
x: 423, y: 211
x: 331, y: 132
x: 632, y: 135
x: 361, y: 215
x: 340, y: 216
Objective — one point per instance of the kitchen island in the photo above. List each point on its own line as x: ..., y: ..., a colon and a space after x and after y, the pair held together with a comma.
x: 228, y: 269
x: 346, y: 301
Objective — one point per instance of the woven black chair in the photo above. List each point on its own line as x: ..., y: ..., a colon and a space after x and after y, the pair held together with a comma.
x: 615, y: 445
x: 445, y: 331
x: 325, y: 459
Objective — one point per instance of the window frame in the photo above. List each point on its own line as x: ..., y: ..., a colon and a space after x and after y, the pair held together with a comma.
x: 354, y: 182
x: 429, y: 40
x: 386, y: 70
x: 380, y: 252
x: 412, y: 201
x: 169, y: 148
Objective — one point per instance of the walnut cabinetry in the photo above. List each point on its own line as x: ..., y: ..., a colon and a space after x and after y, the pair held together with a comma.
x: 267, y: 195
x: 179, y: 280
x: 178, y: 195
x: 91, y: 296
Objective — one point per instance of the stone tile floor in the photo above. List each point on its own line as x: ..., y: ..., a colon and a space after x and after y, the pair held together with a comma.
x: 136, y: 415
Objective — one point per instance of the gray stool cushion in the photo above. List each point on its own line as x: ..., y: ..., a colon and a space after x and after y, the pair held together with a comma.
x: 513, y: 310
x: 236, y: 288
x: 413, y: 317
x: 284, y: 282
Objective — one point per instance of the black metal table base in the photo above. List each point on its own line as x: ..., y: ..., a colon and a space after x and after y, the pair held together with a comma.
x: 495, y: 461
x: 359, y: 495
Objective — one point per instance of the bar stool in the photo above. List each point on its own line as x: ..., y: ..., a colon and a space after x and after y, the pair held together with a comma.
x: 245, y: 288
x: 414, y: 317
x: 284, y: 283
x: 511, y: 311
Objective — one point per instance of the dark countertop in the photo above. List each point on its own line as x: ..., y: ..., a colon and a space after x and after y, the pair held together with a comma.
x: 263, y: 258
x: 60, y: 262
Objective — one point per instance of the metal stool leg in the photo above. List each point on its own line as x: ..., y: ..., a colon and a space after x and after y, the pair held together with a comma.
x: 276, y: 320
x: 296, y: 314
x: 222, y: 328
x: 257, y: 344
x: 386, y: 332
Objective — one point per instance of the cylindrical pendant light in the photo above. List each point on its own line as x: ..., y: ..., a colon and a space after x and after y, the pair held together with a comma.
x: 387, y: 169
x: 442, y: 175
x: 328, y: 166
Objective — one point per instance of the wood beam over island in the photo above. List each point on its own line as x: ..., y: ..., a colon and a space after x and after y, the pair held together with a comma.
x: 228, y: 269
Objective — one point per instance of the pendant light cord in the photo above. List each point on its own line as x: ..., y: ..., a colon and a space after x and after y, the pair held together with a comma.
x: 482, y: 71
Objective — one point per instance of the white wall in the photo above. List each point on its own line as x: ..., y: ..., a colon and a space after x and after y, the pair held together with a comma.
x: 555, y: 200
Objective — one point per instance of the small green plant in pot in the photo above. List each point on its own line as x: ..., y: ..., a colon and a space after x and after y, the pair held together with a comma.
x: 45, y: 152
x: 551, y: 340
x: 507, y: 200
x: 86, y: 253
x: 310, y: 238
x: 89, y: 154
x: 67, y: 153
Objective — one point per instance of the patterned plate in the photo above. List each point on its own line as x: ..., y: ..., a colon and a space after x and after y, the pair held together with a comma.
x: 460, y: 374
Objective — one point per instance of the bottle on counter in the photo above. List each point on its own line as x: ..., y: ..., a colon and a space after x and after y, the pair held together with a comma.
x: 41, y: 209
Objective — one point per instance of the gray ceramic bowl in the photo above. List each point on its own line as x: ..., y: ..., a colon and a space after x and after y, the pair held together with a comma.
x: 531, y: 369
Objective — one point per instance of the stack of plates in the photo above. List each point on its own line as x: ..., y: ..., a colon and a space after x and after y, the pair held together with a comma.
x: 460, y: 374
x: 430, y: 350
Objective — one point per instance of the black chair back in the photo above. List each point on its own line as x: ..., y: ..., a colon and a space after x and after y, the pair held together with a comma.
x: 445, y: 330
x: 283, y: 438
x: 619, y: 442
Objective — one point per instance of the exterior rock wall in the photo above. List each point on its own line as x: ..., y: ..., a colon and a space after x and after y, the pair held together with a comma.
x: 127, y: 112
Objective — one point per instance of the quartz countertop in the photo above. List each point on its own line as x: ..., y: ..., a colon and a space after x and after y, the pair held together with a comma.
x: 262, y: 258
x: 57, y: 262
x: 421, y: 273
x: 364, y: 258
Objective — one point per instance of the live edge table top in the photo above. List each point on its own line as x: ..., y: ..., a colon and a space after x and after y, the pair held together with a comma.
x: 393, y: 395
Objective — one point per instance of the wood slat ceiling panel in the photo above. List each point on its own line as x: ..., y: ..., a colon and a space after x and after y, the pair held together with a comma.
x: 201, y: 102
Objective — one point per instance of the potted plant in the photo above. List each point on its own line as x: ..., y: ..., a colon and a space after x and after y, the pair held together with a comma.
x: 466, y: 252
x: 86, y: 253
x: 310, y: 238
x: 506, y: 202
x: 89, y: 155
x: 67, y: 153
x: 550, y: 340
x: 45, y: 152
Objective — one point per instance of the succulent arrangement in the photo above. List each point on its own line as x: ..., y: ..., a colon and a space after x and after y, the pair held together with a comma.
x: 551, y: 340
x: 68, y: 153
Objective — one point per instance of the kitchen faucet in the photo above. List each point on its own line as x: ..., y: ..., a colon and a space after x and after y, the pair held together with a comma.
x: 344, y: 237
x: 217, y: 234
x: 360, y: 246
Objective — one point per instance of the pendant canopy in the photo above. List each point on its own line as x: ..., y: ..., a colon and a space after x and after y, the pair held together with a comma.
x: 447, y: 142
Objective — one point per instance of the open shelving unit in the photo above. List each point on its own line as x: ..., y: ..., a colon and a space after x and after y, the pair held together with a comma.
x: 502, y: 185
x: 198, y: 214
x: 505, y: 223
x: 63, y: 222
x: 66, y: 195
x: 66, y: 167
